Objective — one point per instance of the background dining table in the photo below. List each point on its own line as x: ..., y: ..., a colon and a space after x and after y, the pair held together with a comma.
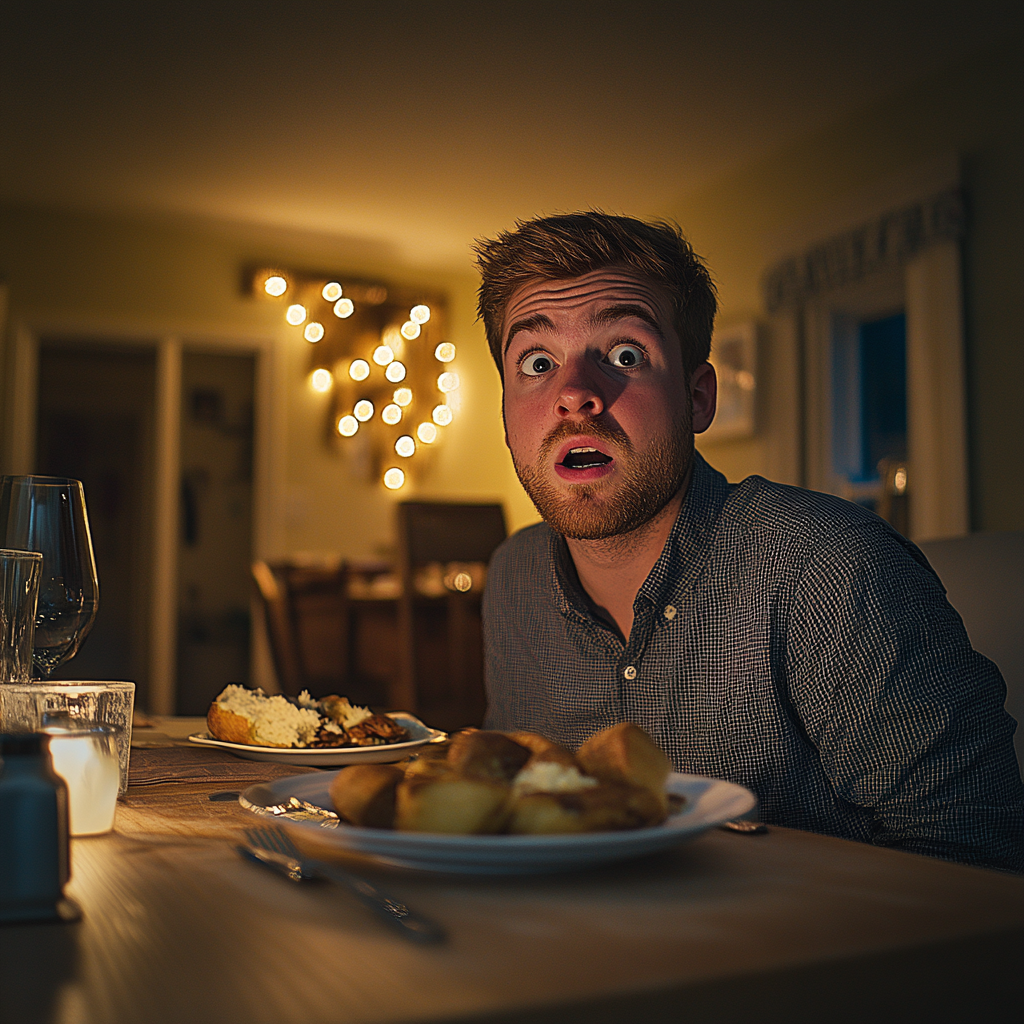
x: 783, y: 926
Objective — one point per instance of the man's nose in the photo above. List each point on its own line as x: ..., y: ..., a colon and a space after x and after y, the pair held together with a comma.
x: 580, y: 393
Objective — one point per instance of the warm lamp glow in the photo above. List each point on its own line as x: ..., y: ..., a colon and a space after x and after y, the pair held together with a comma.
x: 295, y: 315
x: 321, y: 380
x: 275, y: 285
x: 347, y: 426
x: 391, y: 414
x: 410, y: 330
x: 445, y: 352
x: 448, y: 381
x: 419, y: 314
x: 313, y: 332
x: 427, y: 433
x: 382, y: 355
x: 395, y: 372
x: 405, y: 446
x: 359, y: 369
x: 363, y: 410
x: 344, y: 308
x: 332, y: 291
x: 394, y: 478
x: 403, y: 396
x: 441, y: 415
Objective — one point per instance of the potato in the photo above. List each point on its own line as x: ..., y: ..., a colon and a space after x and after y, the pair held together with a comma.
x: 450, y: 804
x: 625, y: 753
x: 226, y: 725
x: 486, y: 755
x: 364, y: 794
x: 544, y: 749
x: 610, y: 806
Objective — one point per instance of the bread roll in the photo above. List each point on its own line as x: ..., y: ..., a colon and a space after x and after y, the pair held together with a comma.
x: 364, y: 794
x: 486, y: 755
x: 625, y: 753
x: 544, y: 749
x: 226, y: 725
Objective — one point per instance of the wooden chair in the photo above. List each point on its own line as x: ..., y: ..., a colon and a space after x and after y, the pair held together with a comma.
x: 442, y: 550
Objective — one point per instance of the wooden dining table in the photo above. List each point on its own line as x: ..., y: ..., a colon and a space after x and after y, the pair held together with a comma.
x: 782, y: 926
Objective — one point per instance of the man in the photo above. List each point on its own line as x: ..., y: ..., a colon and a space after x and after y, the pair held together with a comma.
x: 785, y: 640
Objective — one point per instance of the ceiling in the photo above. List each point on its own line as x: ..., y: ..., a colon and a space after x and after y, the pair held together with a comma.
x: 423, y: 125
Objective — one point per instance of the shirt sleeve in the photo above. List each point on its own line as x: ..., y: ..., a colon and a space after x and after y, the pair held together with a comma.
x: 907, y: 718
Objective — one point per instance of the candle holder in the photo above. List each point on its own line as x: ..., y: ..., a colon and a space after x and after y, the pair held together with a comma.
x: 84, y: 755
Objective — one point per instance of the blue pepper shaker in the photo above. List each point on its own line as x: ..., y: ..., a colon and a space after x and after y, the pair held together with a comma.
x: 34, y: 846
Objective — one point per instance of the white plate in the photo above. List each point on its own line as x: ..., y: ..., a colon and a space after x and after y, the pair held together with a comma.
x: 709, y: 803
x: 331, y: 757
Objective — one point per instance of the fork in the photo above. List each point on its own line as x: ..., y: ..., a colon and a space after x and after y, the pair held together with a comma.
x: 273, y: 847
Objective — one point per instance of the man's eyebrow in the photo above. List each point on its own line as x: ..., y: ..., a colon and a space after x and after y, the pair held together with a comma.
x: 625, y: 310
x: 537, y: 322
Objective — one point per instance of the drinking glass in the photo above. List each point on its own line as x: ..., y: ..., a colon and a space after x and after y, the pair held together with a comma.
x: 47, y: 514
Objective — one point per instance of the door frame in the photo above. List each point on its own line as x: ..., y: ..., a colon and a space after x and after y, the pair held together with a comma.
x: 269, y: 446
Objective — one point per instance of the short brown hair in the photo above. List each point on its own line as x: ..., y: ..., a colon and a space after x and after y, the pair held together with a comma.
x: 573, y: 244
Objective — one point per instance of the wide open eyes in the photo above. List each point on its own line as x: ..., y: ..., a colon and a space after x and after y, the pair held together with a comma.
x: 536, y: 363
x: 626, y: 356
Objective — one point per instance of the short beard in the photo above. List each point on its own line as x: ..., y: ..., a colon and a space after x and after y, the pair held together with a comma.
x: 649, y: 481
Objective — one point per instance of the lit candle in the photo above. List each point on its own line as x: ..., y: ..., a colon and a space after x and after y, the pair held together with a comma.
x: 86, y: 759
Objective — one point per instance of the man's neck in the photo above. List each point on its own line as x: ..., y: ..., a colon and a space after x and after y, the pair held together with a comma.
x: 612, y: 571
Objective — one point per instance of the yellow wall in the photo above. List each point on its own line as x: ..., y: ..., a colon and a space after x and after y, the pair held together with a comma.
x: 185, y: 276
x: 975, y: 111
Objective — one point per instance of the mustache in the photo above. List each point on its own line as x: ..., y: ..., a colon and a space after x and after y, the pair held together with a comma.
x: 595, y: 428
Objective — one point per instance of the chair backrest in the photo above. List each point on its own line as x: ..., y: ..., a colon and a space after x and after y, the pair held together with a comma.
x: 306, y: 611
x: 443, y: 532
x: 984, y: 579
x: 440, y: 534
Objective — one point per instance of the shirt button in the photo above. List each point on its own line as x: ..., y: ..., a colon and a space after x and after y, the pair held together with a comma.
x: 670, y: 612
x: 629, y: 672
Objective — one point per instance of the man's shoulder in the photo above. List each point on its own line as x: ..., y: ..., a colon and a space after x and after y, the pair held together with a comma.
x: 797, y: 518
x: 519, y: 558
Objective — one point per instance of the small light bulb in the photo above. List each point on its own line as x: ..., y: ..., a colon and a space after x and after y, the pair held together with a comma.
x: 448, y: 381
x: 441, y: 415
x: 391, y: 414
x: 347, y: 426
x: 445, y: 352
x: 275, y: 285
x: 419, y: 314
x: 427, y: 433
x: 344, y: 308
x: 395, y: 372
x: 321, y: 380
x: 394, y: 478
x: 405, y: 446
x: 359, y: 369
x: 410, y: 330
x: 313, y: 332
x: 363, y: 410
x: 382, y: 355
x: 332, y: 291
x: 403, y: 396
x: 295, y: 315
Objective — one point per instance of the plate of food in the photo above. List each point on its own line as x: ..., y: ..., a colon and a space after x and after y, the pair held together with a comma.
x: 506, y: 803
x: 323, y: 733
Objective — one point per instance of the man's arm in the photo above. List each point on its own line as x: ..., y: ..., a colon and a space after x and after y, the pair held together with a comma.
x: 908, y: 719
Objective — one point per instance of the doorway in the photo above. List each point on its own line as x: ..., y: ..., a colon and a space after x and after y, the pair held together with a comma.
x: 162, y: 435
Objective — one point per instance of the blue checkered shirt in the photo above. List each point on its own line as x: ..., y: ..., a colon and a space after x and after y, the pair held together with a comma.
x: 785, y: 640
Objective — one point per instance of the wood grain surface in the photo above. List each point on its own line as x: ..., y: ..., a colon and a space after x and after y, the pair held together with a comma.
x: 785, y: 926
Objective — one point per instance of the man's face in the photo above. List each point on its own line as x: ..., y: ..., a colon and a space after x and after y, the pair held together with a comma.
x: 598, y: 413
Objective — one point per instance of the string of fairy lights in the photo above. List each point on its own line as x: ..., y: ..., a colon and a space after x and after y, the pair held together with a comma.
x: 383, y: 378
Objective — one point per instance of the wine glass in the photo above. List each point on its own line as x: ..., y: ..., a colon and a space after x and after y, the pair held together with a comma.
x: 47, y: 514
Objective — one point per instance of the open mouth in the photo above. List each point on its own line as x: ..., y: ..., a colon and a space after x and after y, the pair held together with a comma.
x: 585, y: 458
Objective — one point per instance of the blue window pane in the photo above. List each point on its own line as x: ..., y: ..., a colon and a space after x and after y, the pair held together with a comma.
x: 883, y: 392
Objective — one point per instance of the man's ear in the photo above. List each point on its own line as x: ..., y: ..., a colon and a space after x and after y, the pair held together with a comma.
x: 703, y: 396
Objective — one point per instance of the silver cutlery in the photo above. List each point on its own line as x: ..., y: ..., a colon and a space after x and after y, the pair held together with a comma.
x: 273, y: 848
x: 750, y: 828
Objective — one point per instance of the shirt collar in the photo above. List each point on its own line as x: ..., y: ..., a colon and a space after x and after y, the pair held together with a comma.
x: 682, y: 558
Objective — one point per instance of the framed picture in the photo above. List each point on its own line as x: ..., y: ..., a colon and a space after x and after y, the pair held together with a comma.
x: 734, y: 357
